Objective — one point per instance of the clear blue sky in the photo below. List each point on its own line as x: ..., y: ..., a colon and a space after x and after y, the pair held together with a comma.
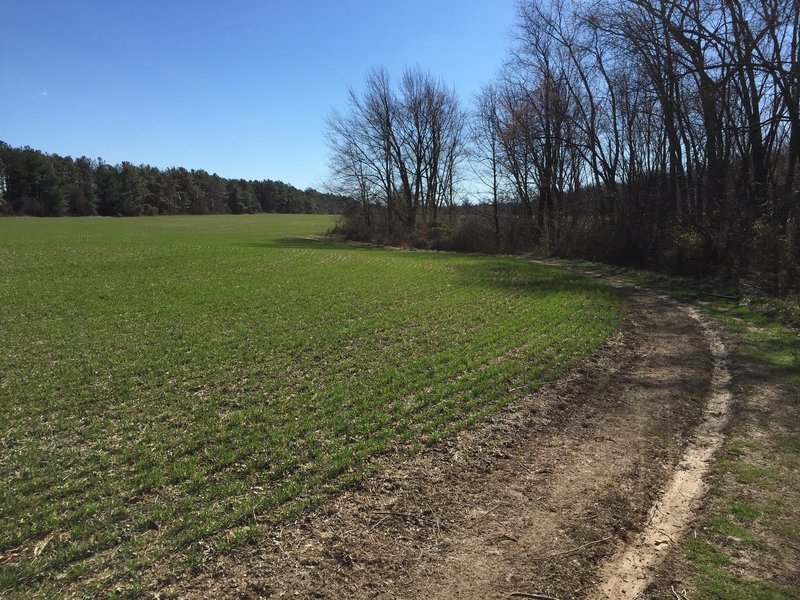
x: 239, y: 88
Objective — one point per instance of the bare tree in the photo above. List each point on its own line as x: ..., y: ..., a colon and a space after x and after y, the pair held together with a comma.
x: 404, y: 145
x: 485, y: 147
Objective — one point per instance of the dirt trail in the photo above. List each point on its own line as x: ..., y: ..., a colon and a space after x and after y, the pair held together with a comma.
x: 532, y: 501
x: 631, y: 569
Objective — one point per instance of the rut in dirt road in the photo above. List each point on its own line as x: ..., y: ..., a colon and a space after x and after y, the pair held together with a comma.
x: 628, y: 573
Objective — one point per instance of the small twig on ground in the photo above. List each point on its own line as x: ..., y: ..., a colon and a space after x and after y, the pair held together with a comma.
x: 491, y: 510
x: 678, y: 596
x: 575, y: 549
x: 378, y: 522
x: 527, y: 595
x: 394, y: 513
x: 671, y: 539
x: 523, y: 466
x: 505, y: 536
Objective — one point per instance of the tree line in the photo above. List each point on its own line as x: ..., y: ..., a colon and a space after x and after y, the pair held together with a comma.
x: 37, y: 184
x: 659, y: 133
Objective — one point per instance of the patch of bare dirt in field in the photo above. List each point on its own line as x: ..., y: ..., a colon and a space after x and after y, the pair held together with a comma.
x: 530, y: 501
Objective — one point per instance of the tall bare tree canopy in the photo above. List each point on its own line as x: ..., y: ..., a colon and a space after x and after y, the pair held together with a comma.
x: 664, y: 133
x: 398, y: 147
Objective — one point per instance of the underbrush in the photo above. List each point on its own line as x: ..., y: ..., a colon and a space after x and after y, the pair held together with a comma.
x: 760, y: 261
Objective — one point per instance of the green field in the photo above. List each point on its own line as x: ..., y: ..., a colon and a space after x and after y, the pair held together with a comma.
x: 167, y: 384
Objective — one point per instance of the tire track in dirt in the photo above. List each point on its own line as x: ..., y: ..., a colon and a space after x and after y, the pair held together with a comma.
x: 630, y: 570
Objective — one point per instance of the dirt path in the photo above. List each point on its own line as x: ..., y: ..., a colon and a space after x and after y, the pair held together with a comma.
x: 630, y: 570
x: 534, y: 501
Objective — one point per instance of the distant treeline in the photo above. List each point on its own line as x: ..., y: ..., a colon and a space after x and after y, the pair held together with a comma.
x: 37, y: 184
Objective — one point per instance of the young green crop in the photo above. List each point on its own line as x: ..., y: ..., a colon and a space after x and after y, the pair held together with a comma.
x: 167, y: 384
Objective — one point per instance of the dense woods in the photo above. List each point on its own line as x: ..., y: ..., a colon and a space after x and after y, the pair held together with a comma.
x: 38, y: 184
x: 661, y: 133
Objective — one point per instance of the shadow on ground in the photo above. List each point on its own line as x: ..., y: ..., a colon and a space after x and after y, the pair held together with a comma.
x: 514, y: 274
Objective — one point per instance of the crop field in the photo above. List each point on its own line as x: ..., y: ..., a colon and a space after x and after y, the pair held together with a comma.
x: 168, y: 385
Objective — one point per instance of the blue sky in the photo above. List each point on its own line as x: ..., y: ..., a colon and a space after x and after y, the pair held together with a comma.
x: 239, y: 88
